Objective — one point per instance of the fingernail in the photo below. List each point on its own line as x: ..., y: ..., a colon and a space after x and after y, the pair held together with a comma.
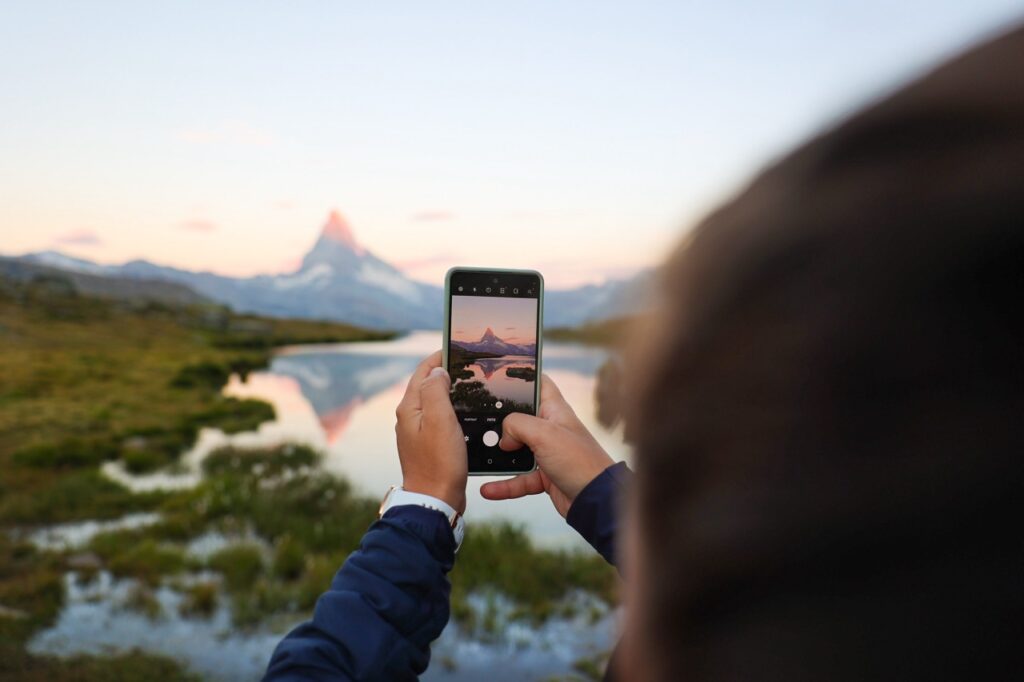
x: 437, y: 371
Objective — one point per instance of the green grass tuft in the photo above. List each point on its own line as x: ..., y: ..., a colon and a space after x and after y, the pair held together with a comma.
x: 149, y: 561
x: 240, y: 564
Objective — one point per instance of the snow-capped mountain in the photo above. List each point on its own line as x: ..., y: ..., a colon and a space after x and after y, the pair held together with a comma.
x: 491, y: 343
x: 339, y: 279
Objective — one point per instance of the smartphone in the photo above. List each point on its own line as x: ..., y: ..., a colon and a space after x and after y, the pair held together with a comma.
x: 492, y: 351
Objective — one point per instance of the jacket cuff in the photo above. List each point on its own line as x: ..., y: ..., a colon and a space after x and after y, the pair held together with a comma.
x: 594, y: 512
x: 430, y: 526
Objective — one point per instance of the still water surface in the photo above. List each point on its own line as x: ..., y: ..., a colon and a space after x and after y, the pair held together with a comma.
x: 341, y: 399
x: 493, y: 374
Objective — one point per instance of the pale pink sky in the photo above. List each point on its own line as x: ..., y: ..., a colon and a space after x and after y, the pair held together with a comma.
x: 579, y: 139
x: 511, y: 319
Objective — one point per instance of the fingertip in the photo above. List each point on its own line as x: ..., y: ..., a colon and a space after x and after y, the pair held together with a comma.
x: 511, y: 418
x: 429, y: 363
x: 489, y: 491
x: 437, y: 375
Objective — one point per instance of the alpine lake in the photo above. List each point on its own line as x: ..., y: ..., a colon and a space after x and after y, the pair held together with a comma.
x: 252, y: 524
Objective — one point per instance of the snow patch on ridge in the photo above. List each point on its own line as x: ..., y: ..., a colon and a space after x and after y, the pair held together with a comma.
x: 388, y: 280
x: 317, y: 276
x: 56, y: 259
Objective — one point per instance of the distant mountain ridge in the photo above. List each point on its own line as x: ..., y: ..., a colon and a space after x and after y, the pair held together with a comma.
x: 339, y: 279
x: 101, y: 286
x: 491, y: 343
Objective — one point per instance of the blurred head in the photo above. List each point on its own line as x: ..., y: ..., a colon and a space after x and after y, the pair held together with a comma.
x: 829, y: 421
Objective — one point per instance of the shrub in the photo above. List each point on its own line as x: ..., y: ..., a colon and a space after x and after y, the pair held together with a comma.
x: 205, y: 374
x: 77, y: 451
x: 141, y: 599
x: 289, y: 558
x: 240, y: 564
x: 84, y: 494
x: 148, y: 561
x: 230, y: 415
x: 269, y: 462
x: 200, y: 600
x: 142, y: 461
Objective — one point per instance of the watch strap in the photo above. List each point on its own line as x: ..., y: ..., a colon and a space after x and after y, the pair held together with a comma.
x: 398, y: 496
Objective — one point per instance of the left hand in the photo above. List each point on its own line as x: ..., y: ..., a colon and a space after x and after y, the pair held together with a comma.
x: 431, y: 445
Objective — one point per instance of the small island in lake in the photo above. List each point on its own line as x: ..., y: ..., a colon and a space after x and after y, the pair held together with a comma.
x: 524, y: 373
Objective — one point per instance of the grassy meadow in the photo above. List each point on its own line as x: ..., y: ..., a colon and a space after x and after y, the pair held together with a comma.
x: 84, y: 381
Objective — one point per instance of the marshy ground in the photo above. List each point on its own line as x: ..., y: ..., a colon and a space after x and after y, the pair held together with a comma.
x: 87, y: 381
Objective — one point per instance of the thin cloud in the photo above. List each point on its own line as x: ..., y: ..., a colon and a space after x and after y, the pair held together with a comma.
x: 199, y: 225
x: 432, y: 216
x: 80, y: 237
x: 235, y: 133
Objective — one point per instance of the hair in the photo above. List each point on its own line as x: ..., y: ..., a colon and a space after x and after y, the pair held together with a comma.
x: 830, y: 424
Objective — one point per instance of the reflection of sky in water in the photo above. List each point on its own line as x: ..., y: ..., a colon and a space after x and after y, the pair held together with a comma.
x: 342, y: 398
x: 96, y: 620
x: 361, y: 446
x: 492, y: 372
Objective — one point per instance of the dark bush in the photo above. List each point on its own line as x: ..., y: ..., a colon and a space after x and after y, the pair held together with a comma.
x: 201, y: 374
x: 69, y: 452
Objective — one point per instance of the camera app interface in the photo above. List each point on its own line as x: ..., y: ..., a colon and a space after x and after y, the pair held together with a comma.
x: 492, y: 354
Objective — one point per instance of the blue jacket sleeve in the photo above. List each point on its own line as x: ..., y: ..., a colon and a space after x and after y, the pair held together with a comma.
x: 595, y: 511
x: 385, y: 606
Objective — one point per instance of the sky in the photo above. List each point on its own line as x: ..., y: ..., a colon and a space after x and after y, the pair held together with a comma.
x: 219, y: 135
x: 511, y: 319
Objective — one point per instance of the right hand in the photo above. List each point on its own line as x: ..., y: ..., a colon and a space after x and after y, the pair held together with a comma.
x: 568, y: 456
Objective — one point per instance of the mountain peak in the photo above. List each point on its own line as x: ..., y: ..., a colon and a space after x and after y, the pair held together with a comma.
x: 337, y: 229
x: 488, y: 335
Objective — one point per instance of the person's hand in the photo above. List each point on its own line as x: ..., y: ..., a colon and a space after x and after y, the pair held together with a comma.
x: 568, y: 457
x: 431, y: 445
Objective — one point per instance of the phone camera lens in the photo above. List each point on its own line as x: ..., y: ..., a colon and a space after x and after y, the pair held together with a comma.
x: 460, y: 288
x: 495, y: 280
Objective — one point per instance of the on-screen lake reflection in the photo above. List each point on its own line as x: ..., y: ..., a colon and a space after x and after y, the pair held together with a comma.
x: 493, y: 374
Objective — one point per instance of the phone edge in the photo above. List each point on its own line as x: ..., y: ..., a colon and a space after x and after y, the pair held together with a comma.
x: 540, y: 342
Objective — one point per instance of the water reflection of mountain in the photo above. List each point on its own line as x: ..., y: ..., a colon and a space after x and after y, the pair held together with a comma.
x: 332, y: 382
x: 491, y: 365
x: 335, y: 382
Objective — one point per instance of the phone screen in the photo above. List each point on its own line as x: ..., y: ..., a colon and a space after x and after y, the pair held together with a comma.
x: 493, y: 332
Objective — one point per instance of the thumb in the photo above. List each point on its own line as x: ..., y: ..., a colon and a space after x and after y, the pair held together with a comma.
x: 434, y: 400
x: 520, y: 429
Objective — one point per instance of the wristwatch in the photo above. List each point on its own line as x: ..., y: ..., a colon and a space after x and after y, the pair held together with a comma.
x: 397, y: 496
